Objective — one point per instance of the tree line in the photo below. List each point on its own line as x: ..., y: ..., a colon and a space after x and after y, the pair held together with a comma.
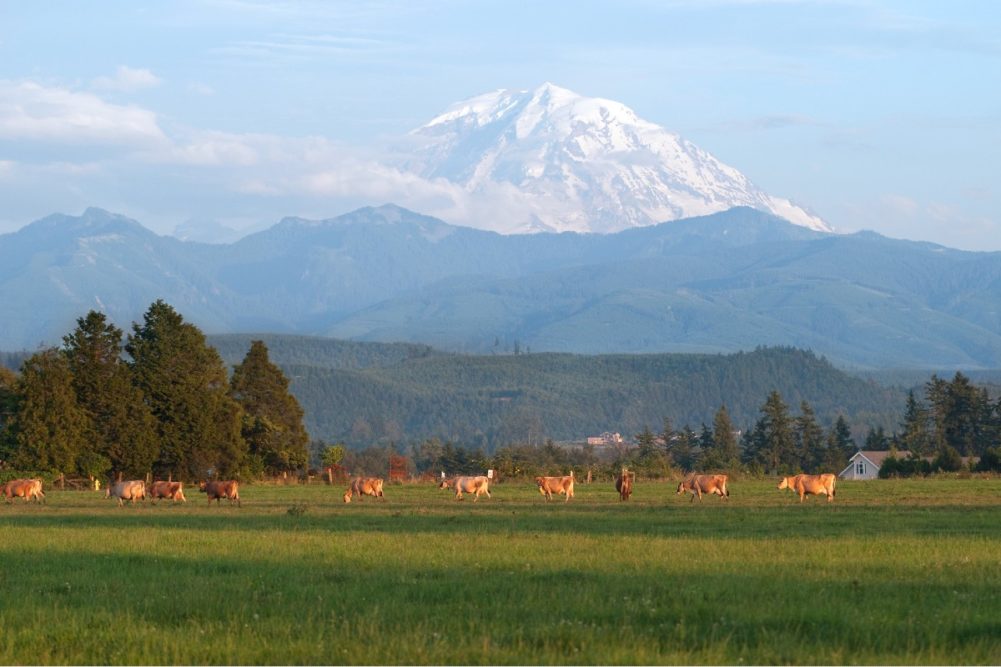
x: 956, y: 419
x: 159, y: 400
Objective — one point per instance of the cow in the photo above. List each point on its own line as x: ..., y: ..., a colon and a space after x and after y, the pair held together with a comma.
x: 475, y: 485
x: 173, y: 491
x: 29, y: 489
x: 624, y: 484
x: 558, y: 485
x: 131, y: 491
x: 364, y: 486
x: 218, y: 490
x: 708, y: 484
x: 807, y: 485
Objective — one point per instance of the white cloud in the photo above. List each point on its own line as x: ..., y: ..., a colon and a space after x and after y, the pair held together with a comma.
x: 127, y: 79
x: 31, y: 111
x: 201, y: 88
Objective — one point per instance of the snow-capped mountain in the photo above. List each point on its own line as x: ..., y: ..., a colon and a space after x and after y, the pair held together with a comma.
x: 557, y: 161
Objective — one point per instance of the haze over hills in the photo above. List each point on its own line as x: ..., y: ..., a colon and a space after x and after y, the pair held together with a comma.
x: 725, y: 282
x: 552, y: 160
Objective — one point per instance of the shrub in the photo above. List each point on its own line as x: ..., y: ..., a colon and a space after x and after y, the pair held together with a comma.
x: 990, y: 461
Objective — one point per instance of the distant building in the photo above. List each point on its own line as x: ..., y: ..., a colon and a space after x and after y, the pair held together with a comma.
x: 605, y: 439
x: 866, y: 464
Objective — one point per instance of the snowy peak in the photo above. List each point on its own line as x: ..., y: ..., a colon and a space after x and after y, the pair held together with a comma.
x: 559, y: 161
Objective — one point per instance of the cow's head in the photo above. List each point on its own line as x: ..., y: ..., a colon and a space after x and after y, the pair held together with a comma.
x: 682, y: 487
x: 201, y: 485
x: 786, y: 483
x: 347, y: 496
x: 446, y: 484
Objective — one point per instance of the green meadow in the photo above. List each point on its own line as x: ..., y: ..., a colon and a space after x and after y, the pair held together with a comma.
x: 899, y: 572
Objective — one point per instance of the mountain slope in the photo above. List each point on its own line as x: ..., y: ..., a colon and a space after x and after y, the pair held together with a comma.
x: 725, y: 282
x: 563, y: 162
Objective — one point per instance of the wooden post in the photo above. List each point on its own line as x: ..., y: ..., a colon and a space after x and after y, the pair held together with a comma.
x: 62, y: 481
x: 330, y: 476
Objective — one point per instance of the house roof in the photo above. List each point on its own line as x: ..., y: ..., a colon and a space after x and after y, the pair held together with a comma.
x: 877, y: 457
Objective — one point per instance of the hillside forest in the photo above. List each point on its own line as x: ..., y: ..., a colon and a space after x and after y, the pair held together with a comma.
x: 167, y: 400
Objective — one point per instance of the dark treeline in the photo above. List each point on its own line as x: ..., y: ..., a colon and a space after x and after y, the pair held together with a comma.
x: 158, y: 401
x: 490, y: 401
x: 161, y: 400
x: 957, y: 419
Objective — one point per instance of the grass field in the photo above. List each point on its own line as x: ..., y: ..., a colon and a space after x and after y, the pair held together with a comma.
x: 895, y: 572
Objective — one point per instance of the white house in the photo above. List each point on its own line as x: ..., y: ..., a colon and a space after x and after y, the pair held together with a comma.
x: 866, y: 464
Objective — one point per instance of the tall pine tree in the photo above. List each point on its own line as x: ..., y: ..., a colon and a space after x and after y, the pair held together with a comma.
x: 50, y: 428
x: 185, y: 384
x: 122, y: 428
x: 272, y: 417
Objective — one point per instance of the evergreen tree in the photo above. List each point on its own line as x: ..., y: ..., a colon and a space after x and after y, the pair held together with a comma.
x: 914, y: 436
x: 876, y: 440
x: 810, y: 443
x: 685, y: 449
x: 123, y: 435
x: 725, y: 451
x: 184, y: 382
x: 8, y: 407
x: 648, y: 458
x: 840, y: 446
x: 779, y: 448
x: 272, y: 417
x: 667, y: 437
x: 50, y: 428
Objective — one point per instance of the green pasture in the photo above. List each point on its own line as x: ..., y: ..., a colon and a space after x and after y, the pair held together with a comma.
x: 892, y: 572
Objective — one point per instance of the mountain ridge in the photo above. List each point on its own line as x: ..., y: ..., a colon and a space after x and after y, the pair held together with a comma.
x: 720, y: 283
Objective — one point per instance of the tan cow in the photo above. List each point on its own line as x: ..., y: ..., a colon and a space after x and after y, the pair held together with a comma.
x: 364, y: 486
x: 131, y: 491
x: 475, y: 485
x: 704, y: 484
x: 29, y: 489
x: 173, y: 491
x: 810, y: 485
x: 558, y: 485
x: 218, y: 490
x: 624, y: 484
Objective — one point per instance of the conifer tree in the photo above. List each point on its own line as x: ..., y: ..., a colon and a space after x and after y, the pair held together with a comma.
x: 840, y: 446
x: 778, y: 452
x: 810, y: 443
x: 915, y: 437
x: 185, y: 384
x: 272, y: 417
x: 50, y: 428
x: 8, y: 408
x: 725, y: 453
x: 122, y: 436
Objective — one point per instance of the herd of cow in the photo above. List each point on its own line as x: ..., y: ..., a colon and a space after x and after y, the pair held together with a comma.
x: 697, y: 485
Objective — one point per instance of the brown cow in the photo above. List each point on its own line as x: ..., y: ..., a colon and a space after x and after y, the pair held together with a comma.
x: 475, y: 485
x: 809, y: 485
x: 131, y: 491
x: 218, y: 490
x: 173, y: 491
x: 29, y: 489
x: 708, y: 484
x: 558, y: 485
x: 364, y: 486
x: 624, y: 484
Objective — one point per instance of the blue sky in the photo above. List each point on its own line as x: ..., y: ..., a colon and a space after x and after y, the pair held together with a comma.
x: 883, y: 116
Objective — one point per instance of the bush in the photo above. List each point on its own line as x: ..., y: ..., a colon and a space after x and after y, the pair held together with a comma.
x: 948, y: 459
x: 910, y: 467
x: 990, y: 461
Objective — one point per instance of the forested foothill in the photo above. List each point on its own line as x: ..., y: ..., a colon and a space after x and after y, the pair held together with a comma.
x: 169, y: 401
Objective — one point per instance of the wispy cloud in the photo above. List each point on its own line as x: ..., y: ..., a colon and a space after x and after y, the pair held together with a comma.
x: 35, y: 112
x: 127, y: 79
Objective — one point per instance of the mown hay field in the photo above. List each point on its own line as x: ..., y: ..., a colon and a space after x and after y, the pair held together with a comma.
x: 898, y: 572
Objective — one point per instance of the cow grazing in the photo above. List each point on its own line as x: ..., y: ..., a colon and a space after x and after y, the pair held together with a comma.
x: 218, y: 490
x: 173, y: 491
x: 624, y: 484
x: 364, y: 486
x: 808, y: 485
x: 475, y: 485
x: 558, y: 485
x: 29, y: 489
x: 131, y: 491
x: 704, y: 484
